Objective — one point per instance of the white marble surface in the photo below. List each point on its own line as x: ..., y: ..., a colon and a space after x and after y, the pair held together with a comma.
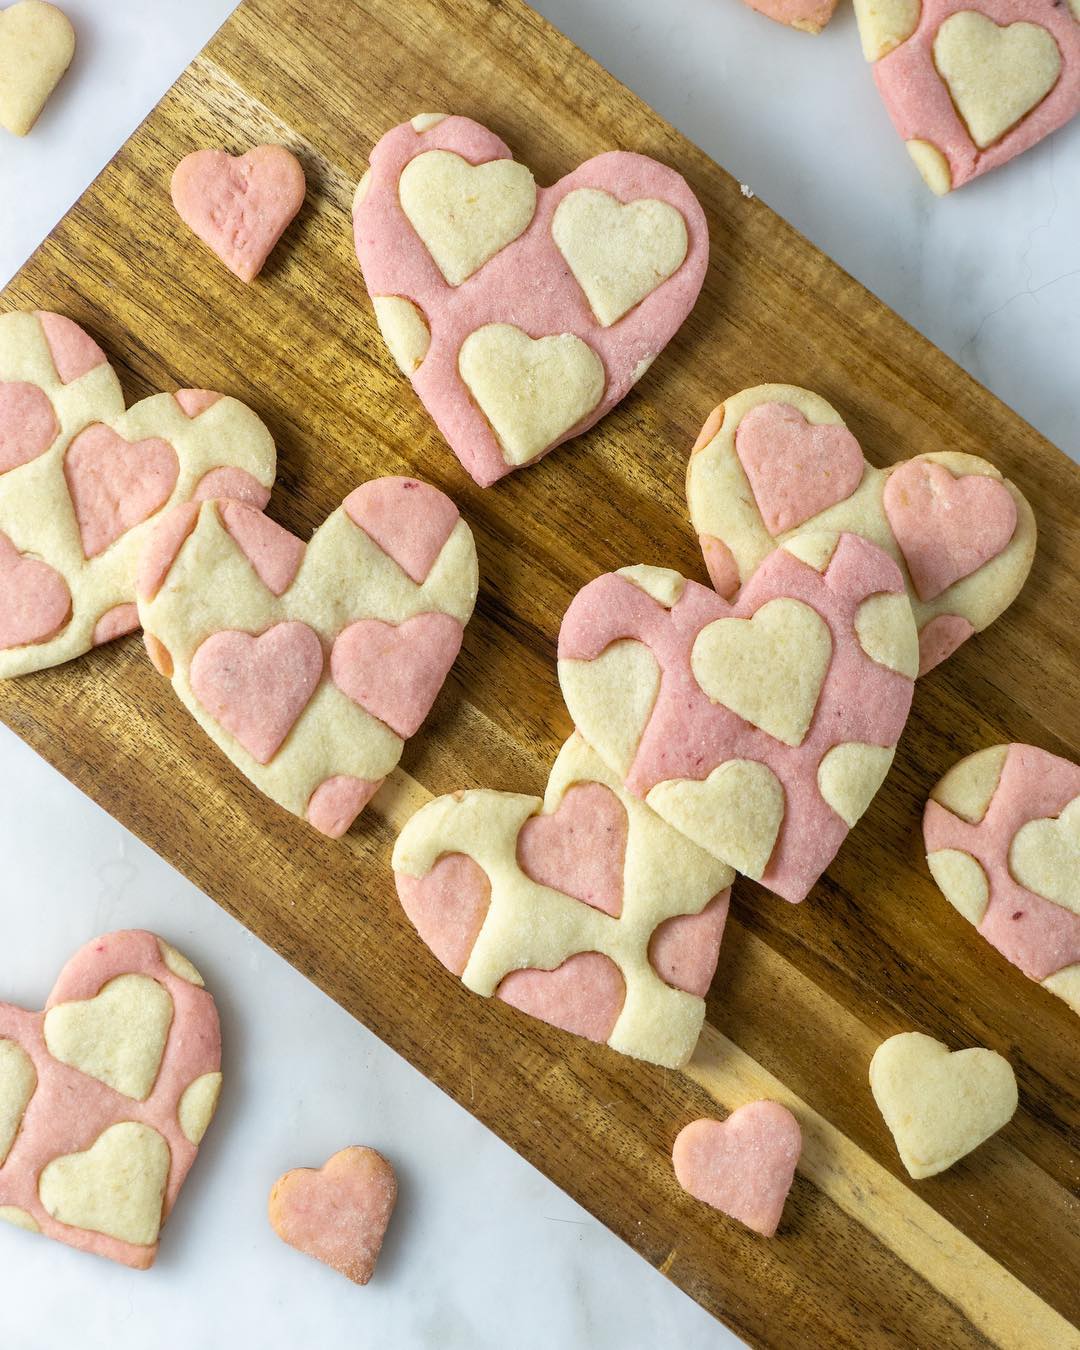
x: 483, y: 1252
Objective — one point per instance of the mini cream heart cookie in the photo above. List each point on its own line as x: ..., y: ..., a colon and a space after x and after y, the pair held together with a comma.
x: 82, y: 481
x: 760, y: 728
x: 971, y: 83
x: 585, y: 910
x: 36, y: 46
x: 310, y: 665
x: 105, y: 1097
x: 776, y: 459
x: 1002, y: 833
x: 521, y: 314
x: 939, y: 1105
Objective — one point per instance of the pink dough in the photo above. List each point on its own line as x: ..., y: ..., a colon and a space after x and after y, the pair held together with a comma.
x: 688, y: 736
x: 234, y: 484
x: 394, y: 671
x: 193, y: 402
x: 161, y: 548
x: 946, y: 527
x: 447, y: 907
x: 114, y: 623
x: 940, y: 637
x: 720, y: 563
x: 28, y: 425
x: 684, y: 950
x: 35, y: 603
x: 337, y: 801
x: 742, y: 1166
x: 809, y: 15
x: 409, y: 520
x: 583, y: 996
x: 580, y: 849
x: 273, y: 552
x: 921, y: 106
x: 239, y: 206
x: 257, y: 687
x: 116, y: 484
x: 69, y: 1110
x: 796, y: 469
x: 1035, y: 934
x: 74, y: 353
x: 527, y: 284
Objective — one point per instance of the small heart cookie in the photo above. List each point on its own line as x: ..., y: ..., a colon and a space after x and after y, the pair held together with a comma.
x: 106, y: 1095
x: 585, y: 910
x: 971, y: 83
x: 310, y: 665
x: 809, y: 16
x: 742, y: 1166
x: 36, y: 46
x: 1002, y: 834
x: 939, y: 1104
x: 760, y: 728
x: 777, y: 458
x: 337, y: 1213
x: 82, y: 481
x: 521, y: 314
x: 239, y: 205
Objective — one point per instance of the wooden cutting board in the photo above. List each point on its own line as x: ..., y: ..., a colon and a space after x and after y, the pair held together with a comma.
x: 987, y: 1252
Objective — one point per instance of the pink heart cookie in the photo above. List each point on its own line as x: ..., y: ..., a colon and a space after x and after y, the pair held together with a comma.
x: 310, y: 665
x: 82, y: 480
x: 971, y: 83
x: 239, y: 205
x: 584, y: 910
x: 809, y: 16
x: 760, y: 728
x: 1002, y: 834
x: 105, y: 1097
x: 337, y: 1213
x: 742, y: 1166
x: 777, y: 458
x: 521, y: 314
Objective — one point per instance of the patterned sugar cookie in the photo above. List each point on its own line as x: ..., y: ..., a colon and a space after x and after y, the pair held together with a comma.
x: 310, y: 665
x: 585, y: 909
x: 37, y: 43
x: 521, y: 314
x: 81, y: 482
x: 809, y: 16
x: 761, y: 727
x: 1002, y: 833
x: 971, y: 83
x: 776, y: 459
x: 105, y: 1097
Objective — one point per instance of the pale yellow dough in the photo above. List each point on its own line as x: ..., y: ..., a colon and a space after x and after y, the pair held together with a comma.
x: 884, y: 24
x: 849, y: 776
x: 37, y: 43
x: 404, y: 331
x: 197, y: 1106
x: 116, y: 1187
x: 19, y: 1217
x: 178, y: 963
x: 932, y: 164
x: 1066, y: 985
x: 611, y: 699
x: 117, y: 1037
x: 664, y: 585
x: 18, y: 1079
x: 735, y: 814
x: 962, y: 882
x: 1044, y: 856
x: 969, y: 786
x: 886, y: 633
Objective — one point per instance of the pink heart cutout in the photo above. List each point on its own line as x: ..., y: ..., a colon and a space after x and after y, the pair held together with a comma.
x: 35, y: 602
x: 116, y: 484
x: 28, y: 425
x: 795, y: 468
x: 742, y: 1166
x: 580, y: 849
x: 583, y: 996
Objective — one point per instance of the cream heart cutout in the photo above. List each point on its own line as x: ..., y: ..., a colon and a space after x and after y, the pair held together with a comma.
x: 1045, y: 857
x: 18, y: 1079
x: 741, y: 801
x: 115, y: 1187
x: 618, y: 252
x: 37, y: 43
x: 939, y: 1104
x: 995, y: 75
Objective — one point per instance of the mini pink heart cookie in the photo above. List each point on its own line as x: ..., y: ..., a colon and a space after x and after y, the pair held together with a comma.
x: 809, y: 16
x: 1002, y: 833
x: 776, y: 459
x: 310, y: 665
x: 239, y: 205
x: 585, y: 910
x: 971, y: 83
x: 106, y: 1095
x: 337, y: 1213
x: 82, y: 481
x: 742, y: 1166
x: 521, y: 314
x: 760, y: 728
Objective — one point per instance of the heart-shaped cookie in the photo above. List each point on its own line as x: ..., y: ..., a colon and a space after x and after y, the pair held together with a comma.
x: 521, y: 314
x: 585, y: 910
x: 777, y: 458
x: 310, y: 665
x: 971, y: 83
x: 742, y: 1166
x: 36, y: 46
x: 105, y: 1096
x: 81, y: 482
x: 939, y: 1105
x: 760, y: 728
x: 1002, y: 834
x: 337, y: 1213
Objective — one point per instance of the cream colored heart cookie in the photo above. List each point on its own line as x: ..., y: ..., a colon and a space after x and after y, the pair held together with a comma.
x: 37, y: 43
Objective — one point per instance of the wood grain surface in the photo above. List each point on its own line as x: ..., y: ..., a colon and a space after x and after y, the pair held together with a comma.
x: 988, y: 1252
